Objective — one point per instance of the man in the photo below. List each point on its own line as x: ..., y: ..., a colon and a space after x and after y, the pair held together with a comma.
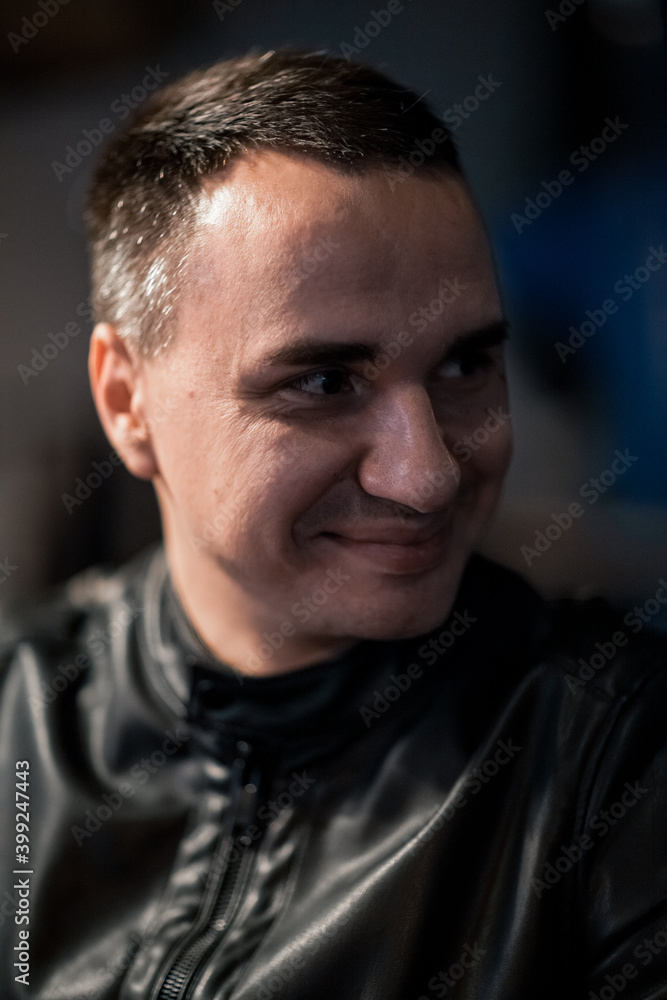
x: 315, y: 748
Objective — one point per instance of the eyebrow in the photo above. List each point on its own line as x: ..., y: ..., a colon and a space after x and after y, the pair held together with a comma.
x: 323, y: 352
x: 316, y: 352
x: 492, y: 335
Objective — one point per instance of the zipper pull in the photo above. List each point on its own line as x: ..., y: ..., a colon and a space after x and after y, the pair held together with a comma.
x: 248, y: 790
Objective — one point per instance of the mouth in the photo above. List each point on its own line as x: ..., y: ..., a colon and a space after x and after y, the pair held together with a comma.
x: 396, y: 550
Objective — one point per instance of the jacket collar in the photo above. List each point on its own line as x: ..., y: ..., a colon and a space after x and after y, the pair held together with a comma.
x: 321, y: 704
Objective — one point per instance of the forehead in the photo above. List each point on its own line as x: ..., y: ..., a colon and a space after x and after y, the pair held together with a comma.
x: 286, y: 237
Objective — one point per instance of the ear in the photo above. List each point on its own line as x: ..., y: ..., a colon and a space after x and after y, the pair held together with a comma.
x: 117, y: 381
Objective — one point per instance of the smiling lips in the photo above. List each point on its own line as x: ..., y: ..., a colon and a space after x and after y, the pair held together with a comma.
x: 397, y: 548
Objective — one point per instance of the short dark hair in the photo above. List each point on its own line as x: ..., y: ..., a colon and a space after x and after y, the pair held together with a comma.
x: 143, y: 196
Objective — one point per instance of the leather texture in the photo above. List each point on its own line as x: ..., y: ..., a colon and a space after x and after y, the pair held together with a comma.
x: 471, y: 813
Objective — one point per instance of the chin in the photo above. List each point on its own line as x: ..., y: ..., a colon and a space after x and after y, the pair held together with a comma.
x: 389, y: 629
x: 411, y: 610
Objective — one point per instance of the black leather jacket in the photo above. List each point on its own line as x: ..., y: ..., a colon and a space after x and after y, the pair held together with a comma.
x: 479, y: 812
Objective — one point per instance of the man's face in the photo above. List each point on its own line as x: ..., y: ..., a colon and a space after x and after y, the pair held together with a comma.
x: 336, y: 434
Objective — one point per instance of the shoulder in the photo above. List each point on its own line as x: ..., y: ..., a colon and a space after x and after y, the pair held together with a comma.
x: 63, y: 619
x: 584, y: 645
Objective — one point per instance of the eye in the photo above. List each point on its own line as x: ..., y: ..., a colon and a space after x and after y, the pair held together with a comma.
x: 329, y: 382
x: 466, y: 365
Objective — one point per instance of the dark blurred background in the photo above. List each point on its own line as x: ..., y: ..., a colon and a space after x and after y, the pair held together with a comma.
x: 576, y: 85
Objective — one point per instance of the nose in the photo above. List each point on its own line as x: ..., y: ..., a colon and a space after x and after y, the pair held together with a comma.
x: 406, y: 459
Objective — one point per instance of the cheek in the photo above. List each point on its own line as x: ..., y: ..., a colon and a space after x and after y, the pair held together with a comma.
x: 483, y: 454
x: 248, y: 483
x: 478, y: 433
x: 495, y: 451
x: 494, y: 454
x: 194, y: 458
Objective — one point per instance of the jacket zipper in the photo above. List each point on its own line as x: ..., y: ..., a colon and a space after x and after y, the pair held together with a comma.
x: 175, y: 984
